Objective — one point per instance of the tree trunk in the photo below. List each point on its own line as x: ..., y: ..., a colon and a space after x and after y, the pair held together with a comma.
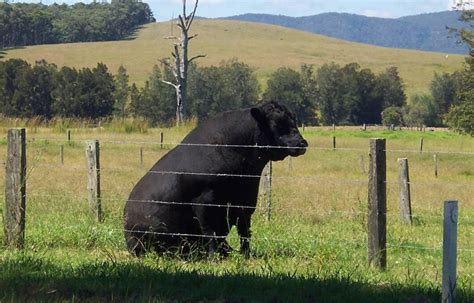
x: 180, y: 68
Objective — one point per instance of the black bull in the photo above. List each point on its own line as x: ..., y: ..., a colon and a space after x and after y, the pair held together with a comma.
x: 178, y: 204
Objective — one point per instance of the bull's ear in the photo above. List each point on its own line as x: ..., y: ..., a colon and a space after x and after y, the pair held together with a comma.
x: 258, y: 114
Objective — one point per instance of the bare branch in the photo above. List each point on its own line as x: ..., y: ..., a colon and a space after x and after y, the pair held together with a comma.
x: 182, y: 23
x: 169, y: 83
x: 193, y: 36
x: 191, y: 16
x: 171, y: 38
x: 196, y: 57
x: 184, y: 8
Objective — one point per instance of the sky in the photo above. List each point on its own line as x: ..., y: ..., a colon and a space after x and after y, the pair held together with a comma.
x: 166, y: 9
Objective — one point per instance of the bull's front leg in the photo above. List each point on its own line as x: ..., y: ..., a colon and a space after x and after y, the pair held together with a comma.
x: 243, y: 228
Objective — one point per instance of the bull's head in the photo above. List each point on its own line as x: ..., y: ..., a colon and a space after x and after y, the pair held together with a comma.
x: 279, y: 127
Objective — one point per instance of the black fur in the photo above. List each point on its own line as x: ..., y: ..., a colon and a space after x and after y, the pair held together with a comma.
x: 147, y: 224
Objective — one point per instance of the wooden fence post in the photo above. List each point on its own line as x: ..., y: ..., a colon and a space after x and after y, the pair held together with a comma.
x: 334, y: 142
x: 141, y: 156
x: 404, y: 188
x: 421, y: 145
x: 377, y: 210
x: 93, y: 174
x: 61, y: 153
x: 161, y: 140
x: 15, y: 189
x: 450, y: 228
x: 267, y: 189
x: 435, y: 158
x: 68, y: 135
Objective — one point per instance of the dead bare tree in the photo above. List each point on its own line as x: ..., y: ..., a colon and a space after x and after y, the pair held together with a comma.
x: 179, y: 67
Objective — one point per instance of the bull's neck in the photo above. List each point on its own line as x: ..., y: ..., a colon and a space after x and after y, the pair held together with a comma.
x: 249, y: 135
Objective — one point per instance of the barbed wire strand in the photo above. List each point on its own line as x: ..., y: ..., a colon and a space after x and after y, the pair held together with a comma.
x: 243, y: 205
x: 315, y: 177
x: 255, y: 146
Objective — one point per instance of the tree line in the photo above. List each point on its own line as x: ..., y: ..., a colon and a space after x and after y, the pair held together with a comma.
x: 43, y: 90
x: 31, y: 24
x: 330, y: 94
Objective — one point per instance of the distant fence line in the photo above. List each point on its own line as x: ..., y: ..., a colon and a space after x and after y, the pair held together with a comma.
x: 15, y: 198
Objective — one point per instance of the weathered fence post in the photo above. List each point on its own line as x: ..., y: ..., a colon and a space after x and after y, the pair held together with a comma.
x: 435, y: 158
x: 450, y: 228
x: 61, y: 154
x: 377, y: 210
x: 93, y: 174
x: 267, y: 189
x: 404, y: 187
x: 68, y: 135
x: 161, y: 140
x: 15, y: 189
x: 421, y: 145
x: 141, y: 156
x: 334, y: 142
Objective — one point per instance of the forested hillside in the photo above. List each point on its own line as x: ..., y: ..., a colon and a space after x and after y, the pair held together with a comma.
x: 32, y: 24
x: 422, y: 32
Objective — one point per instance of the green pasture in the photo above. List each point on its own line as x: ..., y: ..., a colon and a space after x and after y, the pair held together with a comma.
x: 314, y: 249
x: 264, y: 47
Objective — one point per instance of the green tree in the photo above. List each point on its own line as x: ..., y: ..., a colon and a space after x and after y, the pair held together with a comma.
x: 103, y: 89
x: 231, y: 85
x: 370, y: 107
x: 156, y: 101
x: 33, y: 94
x: 85, y: 93
x: 10, y: 72
x: 287, y: 87
x: 121, y: 93
x: 389, y: 88
x: 392, y: 115
x: 461, y: 116
x: 423, y: 110
x: 331, y: 94
x: 66, y: 93
x: 444, y: 88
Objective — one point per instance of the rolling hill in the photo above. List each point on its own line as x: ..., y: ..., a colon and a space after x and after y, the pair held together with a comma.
x: 426, y: 32
x: 263, y: 47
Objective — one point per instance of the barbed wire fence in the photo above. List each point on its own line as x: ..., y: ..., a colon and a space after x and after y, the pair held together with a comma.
x: 376, y: 240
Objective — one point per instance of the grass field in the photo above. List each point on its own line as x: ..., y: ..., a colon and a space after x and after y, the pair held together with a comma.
x: 313, y: 250
x: 263, y: 47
